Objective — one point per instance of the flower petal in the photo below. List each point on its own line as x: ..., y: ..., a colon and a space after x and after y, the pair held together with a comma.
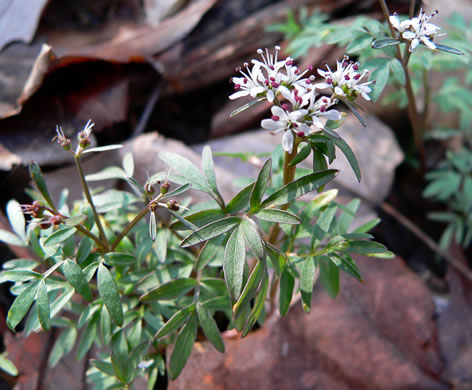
x: 272, y: 125
x: 238, y: 94
x: 287, y: 141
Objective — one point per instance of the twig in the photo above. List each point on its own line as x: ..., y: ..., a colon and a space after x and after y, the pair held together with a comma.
x: 428, y: 241
x: 144, y: 118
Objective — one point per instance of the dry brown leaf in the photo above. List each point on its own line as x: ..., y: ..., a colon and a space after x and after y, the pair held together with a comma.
x: 19, y: 20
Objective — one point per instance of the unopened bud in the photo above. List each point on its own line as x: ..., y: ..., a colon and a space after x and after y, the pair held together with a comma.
x: 55, y: 220
x: 173, y: 205
x: 165, y: 187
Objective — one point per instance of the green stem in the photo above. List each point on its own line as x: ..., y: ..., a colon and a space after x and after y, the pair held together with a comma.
x: 89, y: 234
x: 103, y: 237
x: 412, y: 9
x: 288, y: 176
x: 412, y: 110
x: 427, y: 99
x: 126, y: 230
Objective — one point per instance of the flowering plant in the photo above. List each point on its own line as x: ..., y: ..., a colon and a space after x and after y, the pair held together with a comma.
x: 120, y: 274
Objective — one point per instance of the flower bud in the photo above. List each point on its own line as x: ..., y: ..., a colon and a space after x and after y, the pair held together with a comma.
x: 55, y: 220
x: 165, y: 187
x: 173, y: 205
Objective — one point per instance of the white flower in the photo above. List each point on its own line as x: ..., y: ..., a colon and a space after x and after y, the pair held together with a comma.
x: 249, y: 84
x: 417, y: 30
x: 345, y: 81
x: 88, y: 128
x: 320, y: 108
x: 283, y: 120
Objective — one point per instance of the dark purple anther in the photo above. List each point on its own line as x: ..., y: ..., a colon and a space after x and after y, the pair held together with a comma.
x: 275, y: 118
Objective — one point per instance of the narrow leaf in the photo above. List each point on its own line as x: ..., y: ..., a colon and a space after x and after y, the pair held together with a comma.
x: 38, y: 178
x: 347, y: 151
x: 8, y: 366
x: 16, y: 219
x: 183, y: 348
x: 261, y: 185
x: 88, y: 337
x: 307, y: 278
x: 170, y: 290
x: 449, y: 49
x: 42, y: 305
x: 233, y: 262
x: 253, y: 237
x: 119, y: 259
x: 21, y: 305
x: 249, y: 290
x: 102, y: 148
x: 287, y: 283
x: 77, y: 279
x: 258, y: 306
x: 62, y: 346
x: 109, y: 293
x: 329, y: 276
x: 301, y: 155
x: 211, y: 230
x: 10, y: 238
x: 175, y: 321
x: 279, y: 216
x: 186, y: 170
x: 354, y: 111
x: 384, y: 42
x: 245, y: 107
x: 210, y: 328
x: 211, y: 249
x: 59, y: 236
x: 298, y: 188
x: 209, y: 170
x: 241, y: 200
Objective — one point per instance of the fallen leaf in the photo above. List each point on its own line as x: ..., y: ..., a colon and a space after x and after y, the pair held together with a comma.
x: 19, y: 20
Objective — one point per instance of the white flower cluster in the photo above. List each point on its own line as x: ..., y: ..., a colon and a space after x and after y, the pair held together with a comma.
x: 417, y: 30
x: 297, y: 107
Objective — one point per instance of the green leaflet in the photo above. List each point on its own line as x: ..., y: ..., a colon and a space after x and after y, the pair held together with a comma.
x: 183, y: 348
x: 38, y: 178
x: 210, y: 328
x: 258, y: 306
x: 260, y: 186
x: 109, y: 293
x: 384, y: 42
x: 175, y: 321
x: 233, y: 262
x: 279, y: 216
x: 249, y: 290
x: 211, y: 230
x: 187, y: 172
x: 63, y: 345
x: 77, y: 279
x: 287, y: 283
x: 307, y: 278
x: 252, y: 237
x: 16, y: 219
x: 209, y: 170
x: 347, y: 151
x: 240, y: 200
x: 301, y: 155
x: 59, y: 236
x: 329, y: 276
x: 42, y: 306
x: 170, y: 290
x: 21, y: 305
x: 298, y: 188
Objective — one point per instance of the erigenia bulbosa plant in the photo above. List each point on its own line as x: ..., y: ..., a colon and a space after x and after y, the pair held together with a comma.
x: 135, y: 272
